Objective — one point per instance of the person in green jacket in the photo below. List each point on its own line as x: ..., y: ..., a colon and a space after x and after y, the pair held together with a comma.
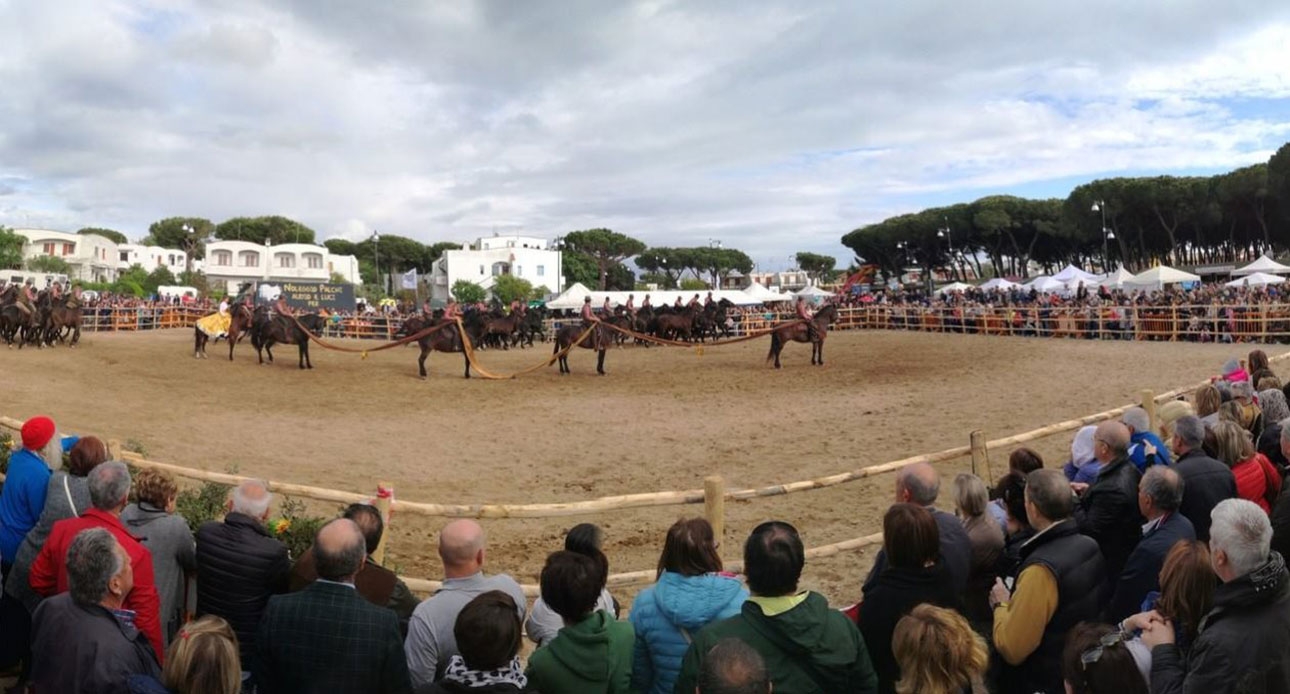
x: 592, y: 654
x: 808, y: 647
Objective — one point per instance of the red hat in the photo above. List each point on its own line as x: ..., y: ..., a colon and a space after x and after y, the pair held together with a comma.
x: 36, y: 432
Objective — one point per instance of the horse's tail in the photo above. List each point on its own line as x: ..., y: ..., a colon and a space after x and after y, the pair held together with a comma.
x: 774, y: 346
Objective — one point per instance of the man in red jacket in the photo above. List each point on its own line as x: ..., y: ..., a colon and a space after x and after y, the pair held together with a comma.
x: 109, y: 492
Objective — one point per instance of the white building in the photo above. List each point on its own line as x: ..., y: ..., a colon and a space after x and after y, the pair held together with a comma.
x: 93, y: 258
x: 152, y: 257
x: 788, y: 280
x: 527, y: 257
x: 233, y: 263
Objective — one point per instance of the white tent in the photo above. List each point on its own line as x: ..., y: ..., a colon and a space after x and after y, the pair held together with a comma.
x: 1258, y: 279
x: 953, y: 287
x: 1045, y: 285
x: 1264, y: 265
x: 813, y: 292
x: 758, y: 291
x: 1073, y: 275
x: 1116, y: 279
x: 570, y: 298
x: 999, y: 283
x: 1159, y: 276
x: 573, y: 297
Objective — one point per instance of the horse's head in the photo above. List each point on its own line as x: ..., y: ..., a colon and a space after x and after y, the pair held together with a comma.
x: 829, y: 313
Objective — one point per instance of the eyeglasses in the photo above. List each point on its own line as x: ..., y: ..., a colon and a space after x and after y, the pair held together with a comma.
x: 1094, y: 654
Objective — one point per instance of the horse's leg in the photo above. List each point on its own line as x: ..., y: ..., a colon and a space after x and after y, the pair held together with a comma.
x: 421, y: 361
x: 600, y: 362
x: 303, y: 357
x: 466, y: 358
x: 821, y: 351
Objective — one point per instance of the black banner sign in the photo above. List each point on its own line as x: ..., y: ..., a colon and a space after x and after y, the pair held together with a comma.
x: 311, y: 297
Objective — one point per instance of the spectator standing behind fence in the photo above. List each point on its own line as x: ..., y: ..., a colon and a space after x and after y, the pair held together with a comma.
x: 937, y: 652
x: 1159, y: 494
x: 66, y: 496
x: 1097, y: 660
x: 1145, y: 448
x: 1281, y: 511
x: 1207, y: 400
x: 1244, y: 644
x: 690, y: 592
x: 986, y: 539
x: 328, y: 638
x: 85, y: 639
x: 377, y: 584
x: 1168, y: 414
x: 915, y: 574
x: 202, y: 660
x: 152, y: 519
x: 1083, y: 465
x: 1186, y: 594
x: 1011, y: 493
x: 1256, y: 479
x: 1206, y: 480
x: 732, y: 667
x: 806, y: 645
x: 239, y: 566
x: 431, y: 642
x: 1108, y: 508
x: 920, y: 483
x: 592, y: 654
x: 109, y: 485
x: 1061, y: 583
x: 488, y: 633
x: 543, y: 623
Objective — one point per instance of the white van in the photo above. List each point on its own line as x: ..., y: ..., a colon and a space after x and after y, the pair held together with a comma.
x: 40, y: 280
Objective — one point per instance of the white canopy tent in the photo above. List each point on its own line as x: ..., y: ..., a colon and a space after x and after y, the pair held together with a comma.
x: 573, y: 297
x: 1116, y: 279
x: 1000, y: 284
x: 1158, y: 277
x: 1073, y: 275
x: 814, y: 293
x: 953, y: 287
x: 1258, y: 279
x: 1045, y: 285
x: 1264, y: 265
x: 759, y: 292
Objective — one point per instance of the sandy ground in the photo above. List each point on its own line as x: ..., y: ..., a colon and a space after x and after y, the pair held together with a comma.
x: 662, y: 419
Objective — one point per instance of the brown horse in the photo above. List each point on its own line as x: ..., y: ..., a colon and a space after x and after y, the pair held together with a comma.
x: 239, y: 326
x: 267, y: 331
x: 798, y: 332
x: 503, y: 328
x: 598, y: 339
x: 64, y: 314
x: 676, y: 326
x: 446, y: 339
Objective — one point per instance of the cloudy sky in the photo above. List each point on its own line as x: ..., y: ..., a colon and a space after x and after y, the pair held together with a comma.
x: 771, y: 126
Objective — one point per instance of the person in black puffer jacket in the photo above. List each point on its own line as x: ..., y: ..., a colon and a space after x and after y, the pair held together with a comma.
x: 239, y: 566
x: 1108, y: 508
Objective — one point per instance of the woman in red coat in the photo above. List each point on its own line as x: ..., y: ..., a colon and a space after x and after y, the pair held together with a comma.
x: 1256, y: 478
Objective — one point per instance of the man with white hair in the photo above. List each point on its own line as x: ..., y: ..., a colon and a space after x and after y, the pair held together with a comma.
x: 1244, y: 640
x: 240, y: 566
x: 85, y: 639
x: 1143, y: 442
x: 431, y: 642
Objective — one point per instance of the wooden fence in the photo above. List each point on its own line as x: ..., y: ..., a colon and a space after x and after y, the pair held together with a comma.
x: 713, y: 495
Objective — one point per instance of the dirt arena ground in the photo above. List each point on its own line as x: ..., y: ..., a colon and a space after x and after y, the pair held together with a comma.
x: 662, y: 419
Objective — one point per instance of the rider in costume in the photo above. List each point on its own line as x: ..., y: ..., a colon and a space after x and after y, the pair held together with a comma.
x: 26, y: 301
x: 804, y: 312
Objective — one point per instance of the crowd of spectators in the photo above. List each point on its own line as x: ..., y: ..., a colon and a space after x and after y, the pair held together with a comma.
x: 1150, y: 561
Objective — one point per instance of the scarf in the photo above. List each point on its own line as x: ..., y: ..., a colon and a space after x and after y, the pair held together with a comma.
x: 511, y: 674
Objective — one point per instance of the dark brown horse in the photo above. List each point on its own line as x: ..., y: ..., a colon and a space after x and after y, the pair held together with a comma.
x: 798, y: 332
x: 267, y: 331
x: 502, y: 329
x: 64, y: 314
x: 446, y: 339
x: 676, y: 326
x: 598, y: 339
x: 239, y: 326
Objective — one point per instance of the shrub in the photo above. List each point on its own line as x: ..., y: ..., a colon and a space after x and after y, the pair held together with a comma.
x: 200, y: 504
x: 6, y: 445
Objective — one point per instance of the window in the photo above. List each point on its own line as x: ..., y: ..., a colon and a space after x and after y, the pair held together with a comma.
x: 284, y: 260
x: 313, y: 261
x: 48, y: 248
x: 481, y: 269
x: 69, y: 248
x: 249, y: 259
x: 223, y: 258
x: 541, y: 271
x: 519, y: 270
x: 125, y: 256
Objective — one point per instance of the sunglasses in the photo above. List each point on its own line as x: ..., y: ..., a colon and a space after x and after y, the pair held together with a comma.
x: 1094, y: 654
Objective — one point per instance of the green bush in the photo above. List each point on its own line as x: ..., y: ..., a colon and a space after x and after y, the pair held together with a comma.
x: 200, y: 504
x: 6, y: 444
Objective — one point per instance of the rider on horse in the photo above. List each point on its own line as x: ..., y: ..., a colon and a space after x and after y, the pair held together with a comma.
x: 708, y: 301
x: 630, y: 306
x: 55, y: 292
x: 26, y: 301
x: 694, y: 303
x: 517, y: 308
x: 804, y: 313
x: 645, y: 303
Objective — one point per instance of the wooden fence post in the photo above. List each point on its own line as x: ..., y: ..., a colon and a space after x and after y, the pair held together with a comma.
x: 1149, y: 404
x: 714, y: 506
x: 384, y: 495
x: 980, y: 456
x: 114, y: 449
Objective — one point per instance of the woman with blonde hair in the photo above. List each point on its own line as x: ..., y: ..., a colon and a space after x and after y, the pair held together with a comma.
x: 986, y: 539
x: 203, y: 659
x: 1169, y: 413
x: 1207, y: 400
x: 938, y: 653
x: 1256, y: 478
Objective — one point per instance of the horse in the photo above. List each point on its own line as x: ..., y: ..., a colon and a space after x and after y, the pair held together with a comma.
x: 797, y: 332
x: 266, y: 331
x: 446, y: 339
x: 533, y: 324
x: 502, y: 328
x: 16, y: 323
x: 64, y: 314
x: 239, y: 326
x: 598, y: 339
x: 674, y: 326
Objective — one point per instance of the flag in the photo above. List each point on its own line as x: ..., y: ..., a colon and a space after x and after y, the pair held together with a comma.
x: 409, y: 279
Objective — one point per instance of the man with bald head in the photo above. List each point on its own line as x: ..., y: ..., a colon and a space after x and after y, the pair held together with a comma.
x: 1108, y: 508
x: 920, y: 483
x: 431, y: 643
x: 327, y: 637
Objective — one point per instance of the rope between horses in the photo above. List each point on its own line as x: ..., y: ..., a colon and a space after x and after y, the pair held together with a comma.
x: 470, y: 354
x: 365, y: 350
x: 699, y: 347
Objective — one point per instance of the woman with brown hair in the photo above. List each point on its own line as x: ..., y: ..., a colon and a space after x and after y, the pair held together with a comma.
x: 914, y: 574
x: 1257, y: 361
x: 1207, y: 401
x: 1257, y: 479
x: 1025, y: 461
x: 937, y: 652
x: 691, y: 592
x: 1097, y: 660
x: 203, y: 659
x: 1187, y: 583
x: 167, y: 536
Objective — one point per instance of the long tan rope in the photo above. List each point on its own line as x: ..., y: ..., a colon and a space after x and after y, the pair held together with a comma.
x: 365, y: 350
x: 470, y: 355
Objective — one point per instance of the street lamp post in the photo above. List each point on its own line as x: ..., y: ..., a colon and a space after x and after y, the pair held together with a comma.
x: 376, y: 258
x: 1107, y: 235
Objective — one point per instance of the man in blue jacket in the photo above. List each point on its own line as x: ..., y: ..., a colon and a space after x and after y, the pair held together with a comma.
x: 1159, y: 494
x: 1143, y: 443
